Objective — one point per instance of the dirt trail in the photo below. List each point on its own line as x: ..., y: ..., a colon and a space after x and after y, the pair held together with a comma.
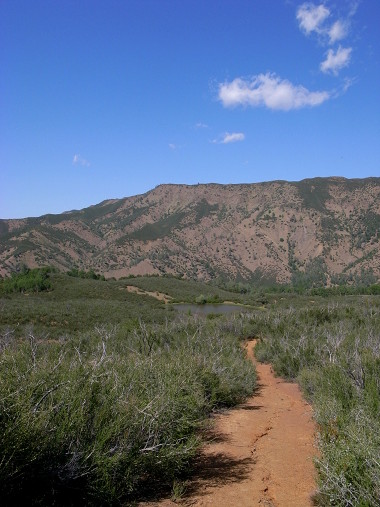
x: 157, y: 295
x: 260, y: 454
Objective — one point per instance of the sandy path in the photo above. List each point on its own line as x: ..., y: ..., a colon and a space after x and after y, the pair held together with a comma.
x: 260, y: 454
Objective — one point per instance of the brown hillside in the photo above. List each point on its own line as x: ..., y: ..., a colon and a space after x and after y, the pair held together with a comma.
x: 322, y: 228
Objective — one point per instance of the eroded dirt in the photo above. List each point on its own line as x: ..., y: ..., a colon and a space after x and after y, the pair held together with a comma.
x: 259, y: 454
x: 158, y: 295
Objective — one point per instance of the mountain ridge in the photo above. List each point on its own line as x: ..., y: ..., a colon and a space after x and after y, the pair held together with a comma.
x: 277, y: 231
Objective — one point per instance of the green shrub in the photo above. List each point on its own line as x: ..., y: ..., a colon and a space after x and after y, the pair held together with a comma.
x: 77, y: 273
x: 333, y: 350
x: 28, y: 280
x: 201, y: 300
x: 103, y: 414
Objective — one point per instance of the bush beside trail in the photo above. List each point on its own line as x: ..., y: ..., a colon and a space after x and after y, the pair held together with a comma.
x: 92, y: 419
x: 334, y: 352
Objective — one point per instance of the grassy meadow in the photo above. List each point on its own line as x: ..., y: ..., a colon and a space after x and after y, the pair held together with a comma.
x: 104, y: 393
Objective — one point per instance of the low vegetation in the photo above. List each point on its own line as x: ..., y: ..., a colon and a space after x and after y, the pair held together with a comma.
x: 334, y: 352
x: 78, y: 273
x: 103, y: 392
x: 104, y: 413
x: 183, y: 291
x: 73, y: 305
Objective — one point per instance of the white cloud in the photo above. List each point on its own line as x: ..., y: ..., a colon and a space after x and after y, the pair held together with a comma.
x: 228, y: 138
x: 336, y: 60
x: 270, y: 91
x: 337, y: 31
x: 172, y: 146
x: 232, y: 138
x: 311, y: 17
x: 79, y: 160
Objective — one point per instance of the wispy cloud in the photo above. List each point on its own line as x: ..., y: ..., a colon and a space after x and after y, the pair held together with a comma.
x: 338, y: 31
x: 201, y: 125
x: 311, y: 17
x: 172, y: 146
x: 79, y: 160
x: 314, y: 18
x: 270, y: 91
x: 233, y: 137
x: 319, y: 19
x: 336, y: 60
x: 348, y: 82
x: 228, y: 138
x: 354, y: 4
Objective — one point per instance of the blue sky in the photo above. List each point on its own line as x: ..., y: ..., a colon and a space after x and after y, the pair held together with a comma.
x: 107, y: 99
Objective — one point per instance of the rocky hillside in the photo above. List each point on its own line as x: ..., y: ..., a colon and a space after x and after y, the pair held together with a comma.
x: 320, y: 230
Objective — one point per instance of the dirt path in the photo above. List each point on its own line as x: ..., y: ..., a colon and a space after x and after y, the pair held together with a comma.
x: 260, y: 454
x: 157, y: 295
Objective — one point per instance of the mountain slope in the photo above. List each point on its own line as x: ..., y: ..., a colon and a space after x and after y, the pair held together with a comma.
x: 317, y: 228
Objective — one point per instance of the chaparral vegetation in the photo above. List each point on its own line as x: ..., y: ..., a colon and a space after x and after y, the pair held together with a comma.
x: 104, y: 392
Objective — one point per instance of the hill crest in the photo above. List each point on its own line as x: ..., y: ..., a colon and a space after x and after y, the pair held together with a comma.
x: 324, y: 229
